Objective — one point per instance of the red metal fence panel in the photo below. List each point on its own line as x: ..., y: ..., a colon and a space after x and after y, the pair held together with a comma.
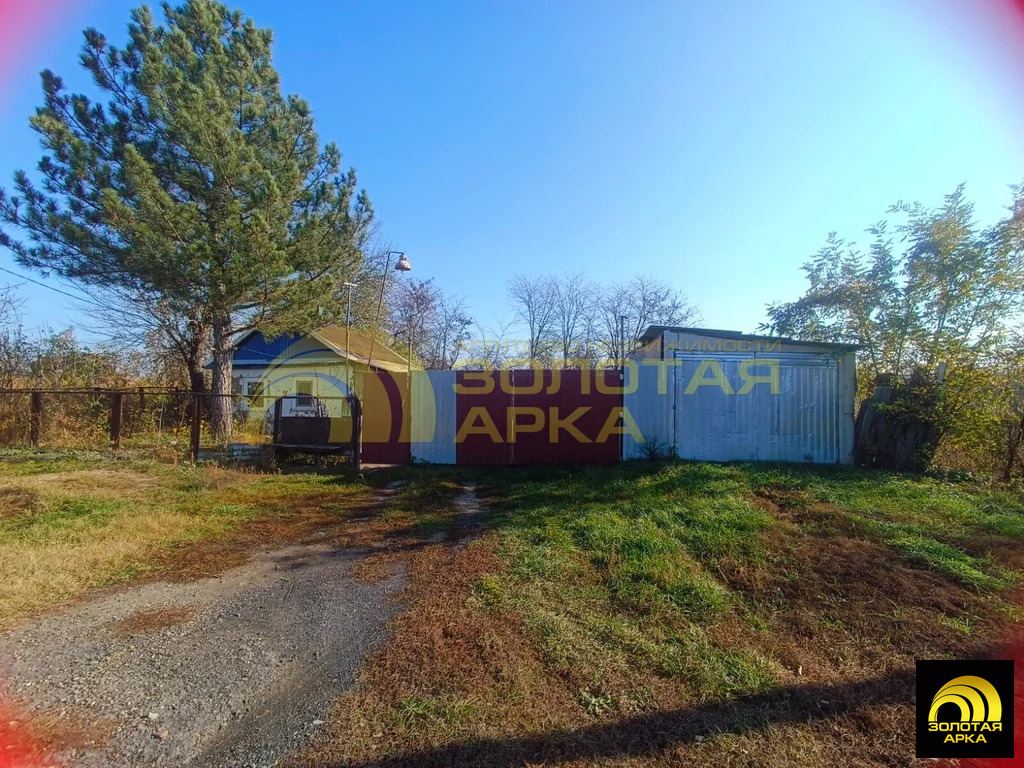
x: 480, y: 407
x: 531, y: 417
x: 385, y: 427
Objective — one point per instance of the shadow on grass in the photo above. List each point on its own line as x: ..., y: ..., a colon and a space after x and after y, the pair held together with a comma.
x: 650, y: 734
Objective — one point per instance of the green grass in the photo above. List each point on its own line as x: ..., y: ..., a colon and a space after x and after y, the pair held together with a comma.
x: 617, y: 572
x: 64, y: 518
x: 434, y: 711
x: 613, y: 571
x: 73, y: 520
x: 424, y: 503
x: 18, y: 462
x: 929, y: 521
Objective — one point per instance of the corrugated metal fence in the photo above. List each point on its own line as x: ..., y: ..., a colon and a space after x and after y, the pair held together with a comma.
x: 517, y: 417
x: 786, y: 407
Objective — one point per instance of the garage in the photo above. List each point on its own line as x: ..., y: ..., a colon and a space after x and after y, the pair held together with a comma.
x: 713, y: 395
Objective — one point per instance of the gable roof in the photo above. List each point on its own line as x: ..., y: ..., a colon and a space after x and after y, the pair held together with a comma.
x: 334, y: 337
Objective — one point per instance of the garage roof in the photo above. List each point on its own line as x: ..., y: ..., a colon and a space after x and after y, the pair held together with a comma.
x: 654, y: 331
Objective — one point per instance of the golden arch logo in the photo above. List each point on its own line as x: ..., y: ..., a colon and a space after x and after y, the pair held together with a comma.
x: 965, y: 708
x: 976, y: 697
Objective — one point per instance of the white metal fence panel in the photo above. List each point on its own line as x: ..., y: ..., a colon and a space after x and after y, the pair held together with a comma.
x: 433, y: 417
x: 651, y: 404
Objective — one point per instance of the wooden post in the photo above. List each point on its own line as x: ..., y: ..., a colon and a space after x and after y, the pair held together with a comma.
x: 36, y: 423
x: 116, y: 419
x: 357, y: 429
x: 197, y: 399
x: 278, y: 409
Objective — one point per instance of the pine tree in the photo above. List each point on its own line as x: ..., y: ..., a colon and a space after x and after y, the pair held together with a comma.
x: 197, y: 183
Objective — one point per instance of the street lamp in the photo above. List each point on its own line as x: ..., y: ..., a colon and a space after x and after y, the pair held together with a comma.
x: 402, y: 265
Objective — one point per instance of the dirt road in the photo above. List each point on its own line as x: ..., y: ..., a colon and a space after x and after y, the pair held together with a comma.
x: 227, y: 671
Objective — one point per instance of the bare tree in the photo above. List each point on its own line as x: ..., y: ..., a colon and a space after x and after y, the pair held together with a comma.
x: 448, y: 331
x: 533, y: 299
x: 135, y: 318
x: 437, y: 323
x: 15, y: 350
x: 489, y: 350
x: 626, y: 310
x: 573, y: 298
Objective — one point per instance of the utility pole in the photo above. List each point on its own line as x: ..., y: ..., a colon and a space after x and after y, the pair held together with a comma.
x: 622, y: 340
x: 402, y: 265
x: 348, y: 334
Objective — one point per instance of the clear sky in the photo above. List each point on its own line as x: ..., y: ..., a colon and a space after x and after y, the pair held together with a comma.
x: 713, y: 143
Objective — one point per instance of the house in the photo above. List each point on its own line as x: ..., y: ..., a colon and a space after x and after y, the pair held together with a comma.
x: 328, y: 362
x: 695, y: 393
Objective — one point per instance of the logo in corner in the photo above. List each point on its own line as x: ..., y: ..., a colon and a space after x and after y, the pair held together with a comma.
x: 965, y: 709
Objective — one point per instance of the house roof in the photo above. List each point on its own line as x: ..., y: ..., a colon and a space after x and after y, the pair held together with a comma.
x: 335, y: 337
x: 653, y: 331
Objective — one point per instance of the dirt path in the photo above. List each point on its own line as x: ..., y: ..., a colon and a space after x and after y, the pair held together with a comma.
x: 227, y: 671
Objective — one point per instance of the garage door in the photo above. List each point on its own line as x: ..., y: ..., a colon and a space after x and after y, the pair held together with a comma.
x: 743, y: 407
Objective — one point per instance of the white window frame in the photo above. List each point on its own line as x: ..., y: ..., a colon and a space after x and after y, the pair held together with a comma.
x: 255, y: 396
x: 299, y: 403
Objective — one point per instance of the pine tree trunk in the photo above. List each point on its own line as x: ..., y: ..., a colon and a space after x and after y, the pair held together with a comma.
x: 194, y: 366
x: 220, y: 402
x: 197, y: 381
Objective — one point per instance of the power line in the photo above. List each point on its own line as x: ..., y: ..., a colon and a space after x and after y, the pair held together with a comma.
x: 49, y: 287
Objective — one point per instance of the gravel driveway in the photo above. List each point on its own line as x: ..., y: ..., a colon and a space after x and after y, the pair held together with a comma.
x: 232, y: 670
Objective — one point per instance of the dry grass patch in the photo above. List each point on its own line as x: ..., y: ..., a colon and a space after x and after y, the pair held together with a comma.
x: 452, y: 672
x: 16, y: 501
x: 64, y: 532
x: 152, y: 620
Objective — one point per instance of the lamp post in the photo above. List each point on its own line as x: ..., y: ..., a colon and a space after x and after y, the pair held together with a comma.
x: 402, y: 265
x: 409, y: 370
x: 348, y: 332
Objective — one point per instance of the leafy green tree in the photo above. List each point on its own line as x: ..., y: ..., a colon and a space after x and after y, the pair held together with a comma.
x: 196, y: 185
x: 946, y: 296
x: 933, y: 300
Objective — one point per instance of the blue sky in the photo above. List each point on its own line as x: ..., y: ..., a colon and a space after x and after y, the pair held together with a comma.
x: 715, y: 144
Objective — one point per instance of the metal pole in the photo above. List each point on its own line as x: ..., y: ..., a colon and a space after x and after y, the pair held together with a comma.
x: 357, y: 430
x: 380, y: 304
x: 348, y: 337
x: 196, y: 425
x: 348, y: 334
x: 622, y: 340
x: 278, y: 409
x: 408, y: 396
